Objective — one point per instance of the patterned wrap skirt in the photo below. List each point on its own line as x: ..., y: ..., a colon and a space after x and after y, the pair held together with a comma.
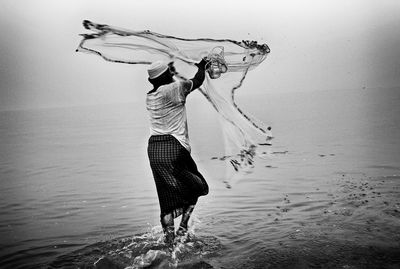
x: 178, y: 182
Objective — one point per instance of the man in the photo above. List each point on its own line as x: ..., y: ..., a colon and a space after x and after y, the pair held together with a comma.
x: 178, y: 182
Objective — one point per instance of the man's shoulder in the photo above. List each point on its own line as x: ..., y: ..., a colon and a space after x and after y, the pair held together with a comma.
x: 170, y: 86
x: 176, y: 88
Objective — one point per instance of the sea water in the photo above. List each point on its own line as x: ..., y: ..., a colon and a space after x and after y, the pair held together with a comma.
x: 76, y: 186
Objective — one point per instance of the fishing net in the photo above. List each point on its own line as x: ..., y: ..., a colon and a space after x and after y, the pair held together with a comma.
x: 229, y: 63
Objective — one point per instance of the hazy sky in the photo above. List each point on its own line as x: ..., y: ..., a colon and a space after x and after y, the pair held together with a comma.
x: 315, y: 45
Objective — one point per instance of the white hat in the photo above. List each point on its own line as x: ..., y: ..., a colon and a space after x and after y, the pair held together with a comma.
x: 156, y: 69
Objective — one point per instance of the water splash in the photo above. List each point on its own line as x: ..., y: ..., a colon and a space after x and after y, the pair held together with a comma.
x: 146, y: 250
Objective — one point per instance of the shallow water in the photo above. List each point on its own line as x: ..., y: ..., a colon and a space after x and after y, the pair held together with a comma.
x: 76, y: 186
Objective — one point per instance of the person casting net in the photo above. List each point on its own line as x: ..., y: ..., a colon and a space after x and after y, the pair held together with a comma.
x: 228, y: 62
x: 178, y: 182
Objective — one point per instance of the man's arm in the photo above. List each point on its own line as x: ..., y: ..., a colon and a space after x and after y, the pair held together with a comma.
x: 199, y: 77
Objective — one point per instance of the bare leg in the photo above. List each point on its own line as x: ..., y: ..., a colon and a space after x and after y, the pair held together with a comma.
x: 183, y: 227
x: 167, y: 222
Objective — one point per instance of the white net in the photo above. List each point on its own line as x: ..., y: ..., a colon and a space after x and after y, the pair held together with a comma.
x: 230, y: 61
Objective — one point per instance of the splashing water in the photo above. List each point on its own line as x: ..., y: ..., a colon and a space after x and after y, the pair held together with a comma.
x: 145, y: 250
x: 229, y: 63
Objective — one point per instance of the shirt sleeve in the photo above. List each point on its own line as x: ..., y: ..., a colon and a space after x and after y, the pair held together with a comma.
x: 177, y: 91
x: 186, y: 87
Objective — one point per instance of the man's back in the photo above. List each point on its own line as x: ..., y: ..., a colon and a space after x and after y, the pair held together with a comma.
x: 167, y: 111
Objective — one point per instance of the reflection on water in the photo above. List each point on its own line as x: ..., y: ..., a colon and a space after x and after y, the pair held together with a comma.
x: 76, y: 186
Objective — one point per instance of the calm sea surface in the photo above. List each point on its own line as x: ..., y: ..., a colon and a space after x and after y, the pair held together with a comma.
x: 76, y: 185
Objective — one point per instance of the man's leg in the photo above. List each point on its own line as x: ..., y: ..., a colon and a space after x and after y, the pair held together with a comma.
x: 183, y: 227
x: 167, y: 223
x: 192, y: 177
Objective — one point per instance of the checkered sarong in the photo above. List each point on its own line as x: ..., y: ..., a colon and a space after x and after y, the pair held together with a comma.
x: 177, y: 179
